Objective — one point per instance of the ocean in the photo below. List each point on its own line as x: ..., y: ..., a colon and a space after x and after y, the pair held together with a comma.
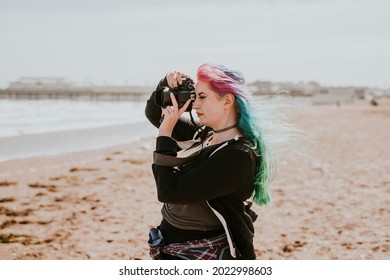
x: 51, y: 127
x: 41, y: 116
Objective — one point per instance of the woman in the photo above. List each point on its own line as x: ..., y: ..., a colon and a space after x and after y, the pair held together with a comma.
x: 205, y: 213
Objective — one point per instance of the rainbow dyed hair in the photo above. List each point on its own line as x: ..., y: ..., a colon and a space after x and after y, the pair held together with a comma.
x: 223, y: 80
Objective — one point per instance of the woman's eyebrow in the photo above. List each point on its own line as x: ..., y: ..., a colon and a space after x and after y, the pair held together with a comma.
x: 199, y: 93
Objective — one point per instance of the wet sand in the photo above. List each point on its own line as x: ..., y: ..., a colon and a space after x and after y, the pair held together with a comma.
x: 333, y: 203
x: 61, y: 142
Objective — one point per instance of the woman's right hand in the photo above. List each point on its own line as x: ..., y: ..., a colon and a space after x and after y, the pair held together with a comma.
x: 174, y: 78
x: 170, y: 116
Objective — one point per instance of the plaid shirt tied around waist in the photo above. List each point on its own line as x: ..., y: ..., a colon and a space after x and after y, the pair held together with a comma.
x: 199, y: 249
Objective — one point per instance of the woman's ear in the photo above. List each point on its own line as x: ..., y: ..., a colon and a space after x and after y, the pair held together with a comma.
x: 229, y: 100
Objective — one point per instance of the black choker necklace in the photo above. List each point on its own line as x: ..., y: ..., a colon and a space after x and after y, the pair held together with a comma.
x: 224, y: 129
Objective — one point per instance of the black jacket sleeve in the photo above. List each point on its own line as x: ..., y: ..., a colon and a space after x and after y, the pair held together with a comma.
x: 184, y: 129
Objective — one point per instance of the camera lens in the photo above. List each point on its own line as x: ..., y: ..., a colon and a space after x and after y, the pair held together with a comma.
x: 166, y: 98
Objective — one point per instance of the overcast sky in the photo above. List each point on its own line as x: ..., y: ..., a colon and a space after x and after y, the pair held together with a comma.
x: 334, y: 42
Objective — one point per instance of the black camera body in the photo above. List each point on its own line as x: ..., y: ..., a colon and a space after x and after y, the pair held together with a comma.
x: 182, y: 93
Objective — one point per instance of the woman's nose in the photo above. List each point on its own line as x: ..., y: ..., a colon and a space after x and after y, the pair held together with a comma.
x: 195, y: 105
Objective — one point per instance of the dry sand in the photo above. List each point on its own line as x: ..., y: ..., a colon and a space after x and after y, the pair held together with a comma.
x: 333, y: 203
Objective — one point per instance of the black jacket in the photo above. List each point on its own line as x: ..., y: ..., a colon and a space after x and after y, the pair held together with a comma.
x: 221, y: 174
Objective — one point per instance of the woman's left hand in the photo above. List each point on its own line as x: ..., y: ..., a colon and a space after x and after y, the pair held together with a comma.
x: 171, y: 115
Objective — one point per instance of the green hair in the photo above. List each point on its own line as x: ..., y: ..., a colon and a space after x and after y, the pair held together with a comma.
x: 223, y: 80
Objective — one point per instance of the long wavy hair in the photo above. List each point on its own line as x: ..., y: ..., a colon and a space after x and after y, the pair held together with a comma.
x: 223, y: 81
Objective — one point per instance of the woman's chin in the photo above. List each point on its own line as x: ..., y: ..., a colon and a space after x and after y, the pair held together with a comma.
x: 202, y: 122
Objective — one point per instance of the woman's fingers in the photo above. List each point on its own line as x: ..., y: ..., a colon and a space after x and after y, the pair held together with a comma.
x: 174, y: 78
x: 168, y: 112
x: 178, y: 78
x: 174, y: 102
x: 174, y: 111
x: 170, y: 79
x: 185, y: 106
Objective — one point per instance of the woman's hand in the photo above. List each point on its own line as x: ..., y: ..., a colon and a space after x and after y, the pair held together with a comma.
x: 174, y: 78
x: 171, y: 115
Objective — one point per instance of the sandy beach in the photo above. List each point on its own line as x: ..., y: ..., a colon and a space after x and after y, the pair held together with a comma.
x: 332, y: 203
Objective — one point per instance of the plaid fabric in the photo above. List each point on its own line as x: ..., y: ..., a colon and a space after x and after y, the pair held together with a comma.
x: 200, y: 249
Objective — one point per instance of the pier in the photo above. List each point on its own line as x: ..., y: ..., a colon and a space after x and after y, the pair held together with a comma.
x: 60, y: 89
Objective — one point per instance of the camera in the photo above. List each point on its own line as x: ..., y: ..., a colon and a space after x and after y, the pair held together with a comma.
x: 182, y: 93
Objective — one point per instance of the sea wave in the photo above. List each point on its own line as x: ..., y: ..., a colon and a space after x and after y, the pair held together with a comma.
x: 19, y: 117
